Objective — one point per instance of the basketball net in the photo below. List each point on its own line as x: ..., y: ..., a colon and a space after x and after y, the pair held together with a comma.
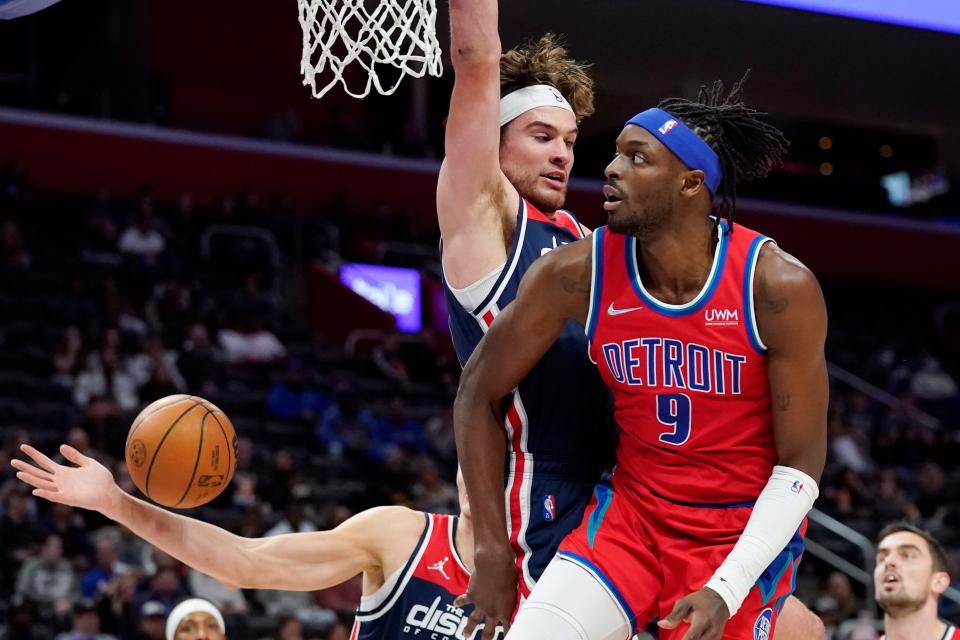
x: 395, y: 35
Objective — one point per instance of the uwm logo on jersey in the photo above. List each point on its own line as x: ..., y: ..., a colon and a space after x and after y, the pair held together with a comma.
x: 722, y: 317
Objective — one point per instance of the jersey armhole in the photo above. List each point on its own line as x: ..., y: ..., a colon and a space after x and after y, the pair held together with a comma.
x: 596, y: 282
x: 472, y: 295
x: 749, y: 274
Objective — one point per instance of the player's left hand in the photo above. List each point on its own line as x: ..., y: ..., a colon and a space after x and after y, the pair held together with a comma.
x: 706, y: 612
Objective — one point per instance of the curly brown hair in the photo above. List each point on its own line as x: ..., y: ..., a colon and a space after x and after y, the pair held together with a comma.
x: 545, y: 61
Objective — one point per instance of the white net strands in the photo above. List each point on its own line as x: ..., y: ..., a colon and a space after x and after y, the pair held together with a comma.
x: 395, y: 38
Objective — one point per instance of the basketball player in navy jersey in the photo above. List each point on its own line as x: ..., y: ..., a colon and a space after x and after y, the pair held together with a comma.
x: 414, y: 564
x: 722, y: 414
x: 509, y: 153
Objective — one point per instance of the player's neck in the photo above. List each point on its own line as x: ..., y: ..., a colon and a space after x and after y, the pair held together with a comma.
x: 677, y: 261
x: 919, y: 625
x: 464, y: 540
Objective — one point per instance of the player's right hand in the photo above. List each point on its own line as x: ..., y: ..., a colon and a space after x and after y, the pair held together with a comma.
x: 89, y: 485
x: 492, y: 590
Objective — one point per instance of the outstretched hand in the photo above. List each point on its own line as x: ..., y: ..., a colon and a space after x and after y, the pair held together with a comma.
x: 88, y: 485
x: 706, y: 612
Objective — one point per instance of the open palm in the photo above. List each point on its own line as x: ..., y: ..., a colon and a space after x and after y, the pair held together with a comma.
x: 88, y: 485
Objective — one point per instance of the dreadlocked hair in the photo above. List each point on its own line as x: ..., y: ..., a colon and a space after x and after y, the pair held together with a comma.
x: 748, y: 146
x: 545, y: 61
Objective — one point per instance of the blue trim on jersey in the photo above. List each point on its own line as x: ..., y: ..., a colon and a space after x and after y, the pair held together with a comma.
x: 607, y: 582
x: 406, y: 568
x: 604, y: 495
x: 679, y: 310
x: 596, y: 282
x: 750, y: 321
x: 512, y: 257
x: 773, y: 574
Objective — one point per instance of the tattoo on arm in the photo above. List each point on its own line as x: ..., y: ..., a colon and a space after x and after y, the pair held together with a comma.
x: 581, y: 284
x: 782, y: 400
x: 766, y: 301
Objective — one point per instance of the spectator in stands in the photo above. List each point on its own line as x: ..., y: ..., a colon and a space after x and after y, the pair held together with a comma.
x: 932, y: 500
x: 106, y: 375
x: 198, y: 361
x: 293, y: 399
x: 294, y: 521
x: 18, y: 532
x: 106, y: 567
x: 908, y: 580
x: 344, y: 428
x: 396, y: 432
x: 48, y: 579
x: 142, y: 239
x: 164, y: 586
x: 155, y: 370
x: 86, y: 623
x: 23, y: 623
x: 431, y: 493
x: 153, y: 617
x: 14, y: 256
x: 67, y: 523
x: 288, y: 628
x: 68, y: 359
x: 247, y: 341
x: 228, y: 601
x: 892, y: 502
x: 847, y: 447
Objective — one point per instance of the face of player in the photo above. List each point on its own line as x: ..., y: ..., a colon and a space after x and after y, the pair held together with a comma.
x: 643, y: 184
x: 904, y: 579
x: 536, y: 155
x: 199, y: 626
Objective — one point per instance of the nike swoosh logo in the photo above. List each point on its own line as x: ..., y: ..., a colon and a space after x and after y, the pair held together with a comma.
x: 611, y: 310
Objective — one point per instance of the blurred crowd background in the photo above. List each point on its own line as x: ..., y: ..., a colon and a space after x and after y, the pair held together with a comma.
x: 116, y: 290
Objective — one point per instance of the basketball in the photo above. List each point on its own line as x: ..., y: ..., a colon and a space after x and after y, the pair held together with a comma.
x: 181, y: 451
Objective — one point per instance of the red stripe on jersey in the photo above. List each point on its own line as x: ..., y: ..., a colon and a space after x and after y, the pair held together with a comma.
x: 355, y: 631
x: 515, y: 428
x: 561, y: 218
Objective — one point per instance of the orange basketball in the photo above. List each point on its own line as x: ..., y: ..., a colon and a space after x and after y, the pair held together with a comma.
x: 181, y: 451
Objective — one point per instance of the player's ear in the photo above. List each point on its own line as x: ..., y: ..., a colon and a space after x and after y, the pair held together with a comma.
x: 940, y: 582
x: 692, y: 183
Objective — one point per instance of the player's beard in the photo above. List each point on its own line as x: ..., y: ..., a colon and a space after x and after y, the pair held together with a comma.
x: 643, y: 221
x: 900, y: 603
x: 529, y: 187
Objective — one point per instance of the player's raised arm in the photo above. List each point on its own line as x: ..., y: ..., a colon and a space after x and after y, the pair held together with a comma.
x: 294, y: 562
x: 473, y: 195
x: 556, y: 289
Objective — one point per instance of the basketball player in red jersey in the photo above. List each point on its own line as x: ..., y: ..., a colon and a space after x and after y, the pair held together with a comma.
x: 910, y: 576
x: 414, y: 564
x: 711, y: 339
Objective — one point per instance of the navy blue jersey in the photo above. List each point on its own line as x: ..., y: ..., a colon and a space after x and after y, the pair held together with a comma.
x: 559, y: 421
x: 416, y: 602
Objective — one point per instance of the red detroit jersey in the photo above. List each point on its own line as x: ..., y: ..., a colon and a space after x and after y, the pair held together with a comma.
x: 689, y: 381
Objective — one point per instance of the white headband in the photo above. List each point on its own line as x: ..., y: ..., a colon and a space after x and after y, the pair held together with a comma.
x: 185, y: 608
x: 520, y: 101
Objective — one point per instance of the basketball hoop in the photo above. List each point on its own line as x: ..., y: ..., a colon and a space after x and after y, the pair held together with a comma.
x: 396, y: 36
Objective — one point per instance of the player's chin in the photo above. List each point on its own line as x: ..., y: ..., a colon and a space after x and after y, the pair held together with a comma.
x: 549, y: 199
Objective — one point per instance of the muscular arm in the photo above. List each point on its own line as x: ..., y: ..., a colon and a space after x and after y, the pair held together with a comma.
x: 792, y: 320
x: 474, y: 198
x: 297, y: 562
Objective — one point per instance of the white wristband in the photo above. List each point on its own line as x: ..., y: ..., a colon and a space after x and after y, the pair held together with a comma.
x: 778, y: 513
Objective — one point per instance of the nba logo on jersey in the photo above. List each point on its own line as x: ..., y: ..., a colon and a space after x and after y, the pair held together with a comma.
x: 796, y: 487
x: 761, y: 628
x: 667, y: 126
x: 549, y: 508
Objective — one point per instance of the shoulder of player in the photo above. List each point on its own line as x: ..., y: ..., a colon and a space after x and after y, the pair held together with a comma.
x: 782, y: 281
x: 566, y: 269
x: 381, y: 529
